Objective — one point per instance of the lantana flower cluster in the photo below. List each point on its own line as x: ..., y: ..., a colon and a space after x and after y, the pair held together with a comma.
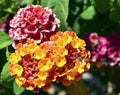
x: 34, y: 22
x: 62, y: 59
x: 104, y: 49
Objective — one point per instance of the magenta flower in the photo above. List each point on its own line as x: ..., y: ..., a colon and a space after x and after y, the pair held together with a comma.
x: 114, y: 49
x: 102, y: 40
x: 33, y: 22
x: 94, y: 56
x: 93, y: 38
x: 104, y: 49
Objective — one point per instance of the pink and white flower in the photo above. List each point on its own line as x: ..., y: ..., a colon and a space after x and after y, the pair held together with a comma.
x: 33, y: 22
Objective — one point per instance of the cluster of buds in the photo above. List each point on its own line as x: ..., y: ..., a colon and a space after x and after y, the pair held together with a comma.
x: 62, y: 59
x: 33, y: 22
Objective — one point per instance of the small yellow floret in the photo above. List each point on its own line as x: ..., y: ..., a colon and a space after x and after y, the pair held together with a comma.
x: 15, y: 58
x: 44, y: 64
x: 20, y: 81
x: 15, y: 69
x: 60, y: 61
x: 39, y: 53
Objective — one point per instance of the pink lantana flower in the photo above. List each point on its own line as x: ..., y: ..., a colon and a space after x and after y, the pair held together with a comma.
x: 33, y: 22
x: 93, y: 38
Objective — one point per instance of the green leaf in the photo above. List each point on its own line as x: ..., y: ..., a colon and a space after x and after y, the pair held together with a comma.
x: 76, y: 27
x: 89, y: 13
x: 5, y: 40
x: 7, y: 54
x: 6, y: 78
x: 78, y: 1
x: 9, y: 6
x: 16, y: 89
x: 3, y: 17
x: 2, y: 58
x: 12, y: 8
x: 26, y: 2
x: 44, y: 3
x: 115, y: 14
x: 102, y: 6
x: 5, y: 73
x: 60, y: 7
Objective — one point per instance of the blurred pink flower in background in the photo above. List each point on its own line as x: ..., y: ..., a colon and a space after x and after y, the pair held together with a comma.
x: 93, y: 38
x: 104, y: 49
x: 5, y: 25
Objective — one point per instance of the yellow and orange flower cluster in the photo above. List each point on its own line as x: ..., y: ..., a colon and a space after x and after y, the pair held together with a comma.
x: 62, y: 59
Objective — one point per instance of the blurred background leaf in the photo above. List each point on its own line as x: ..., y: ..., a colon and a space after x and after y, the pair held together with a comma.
x: 78, y: 88
x: 102, y: 6
x: 86, y: 16
x: 10, y: 6
x: 115, y: 14
x: 26, y: 2
x: 3, y: 17
x: 5, y: 91
x: 7, y: 7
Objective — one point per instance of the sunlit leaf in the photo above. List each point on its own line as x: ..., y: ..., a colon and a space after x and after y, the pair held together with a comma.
x: 16, y: 89
x: 5, y: 40
x: 89, y: 13
x: 6, y: 78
